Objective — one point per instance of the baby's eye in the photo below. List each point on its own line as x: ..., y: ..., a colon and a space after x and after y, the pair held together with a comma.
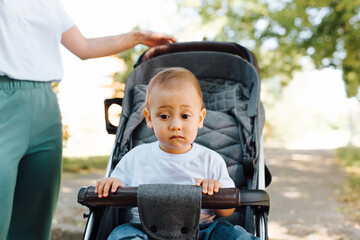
x: 164, y: 116
x: 185, y: 116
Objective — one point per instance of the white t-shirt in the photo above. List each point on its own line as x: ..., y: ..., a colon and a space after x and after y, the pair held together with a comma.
x: 30, y: 36
x: 148, y: 164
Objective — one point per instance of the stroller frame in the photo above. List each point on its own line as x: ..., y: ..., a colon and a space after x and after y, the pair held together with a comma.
x: 254, y: 166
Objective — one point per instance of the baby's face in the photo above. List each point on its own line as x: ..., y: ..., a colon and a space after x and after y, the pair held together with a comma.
x: 175, y: 115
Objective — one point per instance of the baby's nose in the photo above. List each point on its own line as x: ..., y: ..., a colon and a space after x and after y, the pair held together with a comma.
x: 175, y: 124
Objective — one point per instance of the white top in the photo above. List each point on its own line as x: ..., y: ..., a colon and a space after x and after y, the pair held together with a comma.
x: 148, y: 164
x: 30, y: 36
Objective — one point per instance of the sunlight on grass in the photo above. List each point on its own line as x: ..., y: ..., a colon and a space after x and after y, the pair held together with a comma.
x: 78, y: 164
x: 349, y: 157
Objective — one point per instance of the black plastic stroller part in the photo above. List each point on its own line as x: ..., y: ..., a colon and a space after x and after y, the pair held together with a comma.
x: 110, y: 128
x: 224, y: 199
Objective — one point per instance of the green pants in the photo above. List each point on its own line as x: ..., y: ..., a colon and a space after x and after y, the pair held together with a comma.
x: 30, y: 158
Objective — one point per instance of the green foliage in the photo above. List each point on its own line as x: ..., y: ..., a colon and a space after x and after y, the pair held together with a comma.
x: 351, y: 196
x: 349, y: 156
x: 86, y: 163
x: 130, y: 57
x: 330, y: 32
x: 281, y: 32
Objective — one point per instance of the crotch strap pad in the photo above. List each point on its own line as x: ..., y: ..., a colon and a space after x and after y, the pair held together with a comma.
x: 170, y: 211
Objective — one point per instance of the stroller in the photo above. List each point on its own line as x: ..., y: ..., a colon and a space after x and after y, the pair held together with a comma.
x: 229, y: 78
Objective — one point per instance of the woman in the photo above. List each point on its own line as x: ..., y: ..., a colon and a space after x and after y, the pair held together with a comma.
x: 30, y: 123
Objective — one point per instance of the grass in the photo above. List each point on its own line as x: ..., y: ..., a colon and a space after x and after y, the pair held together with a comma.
x: 78, y: 164
x: 349, y: 157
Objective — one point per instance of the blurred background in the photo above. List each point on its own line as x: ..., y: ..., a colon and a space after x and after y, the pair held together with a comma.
x: 308, y: 53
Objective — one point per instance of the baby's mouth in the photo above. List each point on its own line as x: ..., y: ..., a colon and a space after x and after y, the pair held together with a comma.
x: 176, y: 137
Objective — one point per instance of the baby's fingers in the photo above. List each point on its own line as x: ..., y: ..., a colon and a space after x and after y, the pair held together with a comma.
x: 211, y: 186
x: 99, y: 188
x: 205, y: 185
x: 198, y: 182
x: 116, y: 185
x: 217, y: 186
x: 107, y: 187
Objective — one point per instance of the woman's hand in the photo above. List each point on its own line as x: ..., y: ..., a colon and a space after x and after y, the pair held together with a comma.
x: 152, y: 39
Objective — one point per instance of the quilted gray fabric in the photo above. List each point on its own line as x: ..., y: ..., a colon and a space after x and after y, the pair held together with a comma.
x: 234, y: 119
x: 170, y: 211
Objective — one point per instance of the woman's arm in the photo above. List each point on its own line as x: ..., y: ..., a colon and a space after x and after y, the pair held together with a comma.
x: 86, y: 48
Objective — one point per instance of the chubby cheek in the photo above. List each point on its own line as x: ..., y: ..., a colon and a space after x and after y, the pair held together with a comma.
x: 160, y: 132
x: 191, y: 133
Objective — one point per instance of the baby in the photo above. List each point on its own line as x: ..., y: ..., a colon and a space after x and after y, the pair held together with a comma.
x: 174, y: 109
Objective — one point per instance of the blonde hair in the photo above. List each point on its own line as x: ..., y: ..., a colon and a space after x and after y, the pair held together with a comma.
x: 171, y: 78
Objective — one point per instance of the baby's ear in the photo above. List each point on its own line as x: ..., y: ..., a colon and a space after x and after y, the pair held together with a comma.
x: 202, y: 117
x: 147, y: 116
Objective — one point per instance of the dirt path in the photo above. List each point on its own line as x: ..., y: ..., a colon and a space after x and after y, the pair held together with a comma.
x: 68, y: 222
x: 303, y: 197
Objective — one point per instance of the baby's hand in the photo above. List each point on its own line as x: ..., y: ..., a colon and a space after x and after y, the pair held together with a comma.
x: 209, y: 186
x: 103, y: 186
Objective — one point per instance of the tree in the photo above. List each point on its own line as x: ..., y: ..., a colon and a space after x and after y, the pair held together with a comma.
x: 129, y: 57
x: 282, y: 32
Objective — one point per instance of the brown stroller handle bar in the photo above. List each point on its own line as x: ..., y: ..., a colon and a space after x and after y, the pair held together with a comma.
x: 225, y: 198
